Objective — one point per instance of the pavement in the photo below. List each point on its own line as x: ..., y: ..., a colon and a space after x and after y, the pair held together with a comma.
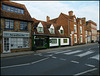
x: 3, y: 55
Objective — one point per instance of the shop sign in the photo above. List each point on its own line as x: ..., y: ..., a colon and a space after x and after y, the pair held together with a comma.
x: 15, y: 34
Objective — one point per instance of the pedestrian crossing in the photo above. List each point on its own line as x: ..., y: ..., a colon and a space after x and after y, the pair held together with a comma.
x: 73, y: 52
x: 84, y: 54
x: 78, y: 53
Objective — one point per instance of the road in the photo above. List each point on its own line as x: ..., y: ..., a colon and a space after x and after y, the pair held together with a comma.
x: 82, y: 60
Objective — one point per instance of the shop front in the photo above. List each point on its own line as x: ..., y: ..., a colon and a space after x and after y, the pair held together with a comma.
x: 41, y: 41
x: 15, y: 40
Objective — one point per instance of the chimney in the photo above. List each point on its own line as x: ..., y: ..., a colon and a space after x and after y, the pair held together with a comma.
x: 70, y: 13
x: 48, y: 18
x: 84, y: 20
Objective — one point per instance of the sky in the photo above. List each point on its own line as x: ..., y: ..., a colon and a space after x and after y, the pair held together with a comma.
x: 41, y: 9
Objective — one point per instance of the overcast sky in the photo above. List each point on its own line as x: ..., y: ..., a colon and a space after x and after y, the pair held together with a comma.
x: 41, y: 9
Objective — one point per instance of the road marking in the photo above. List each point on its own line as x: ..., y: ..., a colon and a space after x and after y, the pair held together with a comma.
x: 95, y: 57
x: 69, y: 53
x: 86, y: 71
x: 54, y: 57
x: 84, y: 54
x: 62, y: 59
x: 75, y: 61
x: 90, y: 65
x: 24, y: 64
x: 49, y: 55
x: 38, y: 54
x: 63, y: 51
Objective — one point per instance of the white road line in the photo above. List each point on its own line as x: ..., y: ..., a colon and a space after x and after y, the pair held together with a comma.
x: 95, y: 57
x: 69, y: 53
x: 62, y: 59
x: 75, y: 61
x: 84, y: 54
x: 24, y: 64
x: 63, y: 51
x: 38, y: 54
x: 49, y: 55
x: 85, y: 71
x: 54, y: 57
x: 90, y: 65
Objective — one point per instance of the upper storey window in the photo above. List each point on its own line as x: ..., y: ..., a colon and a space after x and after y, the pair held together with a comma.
x: 12, y: 9
x: 74, y: 20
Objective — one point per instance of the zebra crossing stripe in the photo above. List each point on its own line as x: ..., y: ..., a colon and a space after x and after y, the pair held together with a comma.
x: 95, y: 57
x: 84, y: 54
x: 69, y: 53
x: 63, y: 51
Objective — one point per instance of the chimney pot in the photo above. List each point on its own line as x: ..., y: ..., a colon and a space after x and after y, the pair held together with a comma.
x: 48, y: 18
x: 70, y: 13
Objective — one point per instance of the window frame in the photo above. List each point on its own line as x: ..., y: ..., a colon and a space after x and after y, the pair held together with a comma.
x: 81, y: 29
x: 40, y: 29
x: 75, y: 29
x: 52, y: 31
x: 9, y: 22
x: 22, y: 25
x: 11, y: 7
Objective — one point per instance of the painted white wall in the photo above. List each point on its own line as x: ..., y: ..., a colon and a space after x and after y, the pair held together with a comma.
x: 57, y: 44
x: 64, y: 43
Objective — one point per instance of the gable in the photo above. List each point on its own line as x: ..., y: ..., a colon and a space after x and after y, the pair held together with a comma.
x: 40, y: 24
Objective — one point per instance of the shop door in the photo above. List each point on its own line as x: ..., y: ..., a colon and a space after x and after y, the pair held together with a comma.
x: 6, y: 47
x: 59, y: 43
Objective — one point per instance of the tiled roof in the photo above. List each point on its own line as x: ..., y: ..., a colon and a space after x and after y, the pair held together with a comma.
x: 5, y: 14
x: 46, y: 26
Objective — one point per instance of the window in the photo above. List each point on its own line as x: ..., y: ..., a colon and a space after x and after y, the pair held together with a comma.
x: 75, y: 30
x: 19, y: 43
x: 64, y: 40
x: 81, y: 38
x: 75, y: 38
x: 52, y: 31
x: 81, y: 29
x: 80, y: 22
x: 23, y: 26
x: 61, y: 31
x: 53, y: 41
x: 74, y: 20
x: 86, y: 32
x: 9, y: 24
x: 12, y: 9
x: 40, y: 29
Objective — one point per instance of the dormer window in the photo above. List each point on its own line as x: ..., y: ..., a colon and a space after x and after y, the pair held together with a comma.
x: 61, y: 30
x: 74, y: 20
x: 40, y: 28
x: 12, y: 9
x: 51, y: 29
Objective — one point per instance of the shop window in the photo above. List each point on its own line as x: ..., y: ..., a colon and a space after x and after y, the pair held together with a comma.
x: 9, y: 24
x: 23, y: 26
x: 19, y: 43
x: 64, y: 40
x: 12, y: 9
x: 53, y: 41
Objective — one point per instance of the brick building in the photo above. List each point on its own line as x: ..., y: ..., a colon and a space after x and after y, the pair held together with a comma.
x: 73, y: 27
x: 15, y: 27
x: 92, y: 26
x: 47, y: 34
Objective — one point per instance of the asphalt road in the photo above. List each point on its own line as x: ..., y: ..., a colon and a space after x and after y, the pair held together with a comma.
x: 83, y: 60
